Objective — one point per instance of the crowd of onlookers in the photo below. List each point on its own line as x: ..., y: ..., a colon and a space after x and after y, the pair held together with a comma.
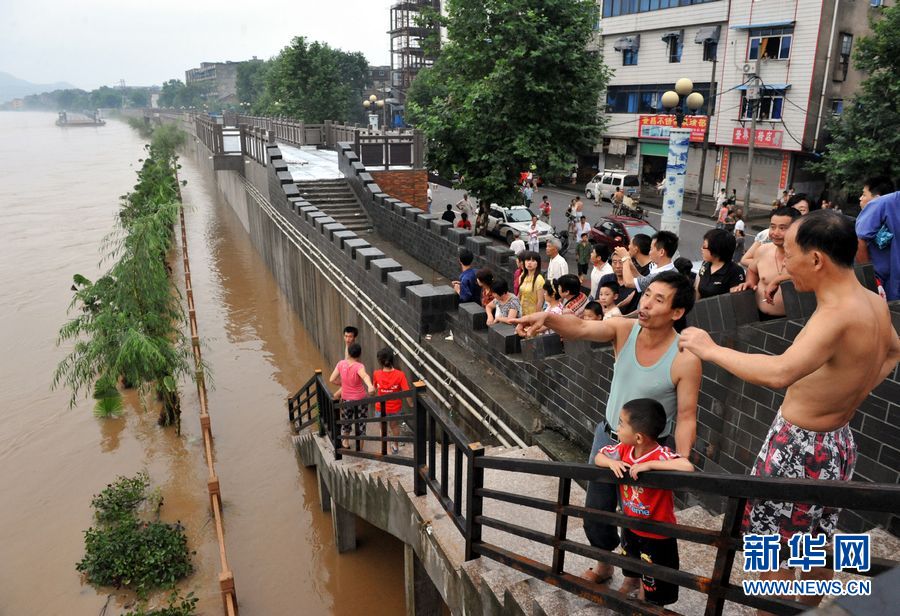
x: 608, y: 285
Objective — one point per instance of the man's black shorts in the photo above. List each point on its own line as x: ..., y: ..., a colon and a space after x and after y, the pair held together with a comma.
x: 656, y: 552
x: 582, y: 268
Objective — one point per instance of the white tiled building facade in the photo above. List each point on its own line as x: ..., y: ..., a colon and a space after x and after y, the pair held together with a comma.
x: 652, y: 43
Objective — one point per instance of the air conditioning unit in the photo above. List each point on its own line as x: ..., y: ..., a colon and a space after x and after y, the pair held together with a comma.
x: 749, y: 68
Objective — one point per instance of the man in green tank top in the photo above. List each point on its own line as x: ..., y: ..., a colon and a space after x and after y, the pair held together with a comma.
x: 648, y: 365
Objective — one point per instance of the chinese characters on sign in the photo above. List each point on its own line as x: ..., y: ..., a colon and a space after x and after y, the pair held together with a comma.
x: 765, y: 138
x: 785, y: 166
x: 762, y: 552
x: 723, y: 168
x: 657, y: 126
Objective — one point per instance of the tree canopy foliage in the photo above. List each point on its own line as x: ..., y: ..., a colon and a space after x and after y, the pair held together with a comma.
x: 516, y: 85
x: 307, y: 81
x: 176, y: 94
x: 864, y: 139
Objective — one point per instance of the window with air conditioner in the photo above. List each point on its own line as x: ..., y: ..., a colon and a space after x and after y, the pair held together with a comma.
x: 769, y: 107
x: 770, y: 43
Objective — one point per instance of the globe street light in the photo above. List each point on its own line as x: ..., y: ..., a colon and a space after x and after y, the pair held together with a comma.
x: 679, y: 145
x: 372, y: 104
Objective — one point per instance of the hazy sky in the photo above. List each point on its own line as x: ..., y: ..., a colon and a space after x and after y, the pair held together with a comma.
x: 90, y: 43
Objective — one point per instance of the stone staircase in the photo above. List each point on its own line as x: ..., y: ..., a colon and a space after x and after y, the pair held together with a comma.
x: 337, y: 199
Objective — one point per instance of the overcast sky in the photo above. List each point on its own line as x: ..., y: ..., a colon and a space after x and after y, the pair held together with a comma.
x: 90, y: 43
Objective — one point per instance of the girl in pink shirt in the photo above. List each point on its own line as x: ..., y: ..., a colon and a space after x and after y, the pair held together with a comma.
x: 355, y: 384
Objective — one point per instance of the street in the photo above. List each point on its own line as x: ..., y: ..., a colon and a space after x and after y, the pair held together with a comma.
x: 692, y: 227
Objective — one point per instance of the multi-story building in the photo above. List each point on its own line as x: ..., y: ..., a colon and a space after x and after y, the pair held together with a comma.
x: 793, y: 54
x: 220, y: 79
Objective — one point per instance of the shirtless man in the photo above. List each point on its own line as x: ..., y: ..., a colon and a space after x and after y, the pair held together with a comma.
x: 648, y: 365
x: 767, y: 270
x: 844, y: 351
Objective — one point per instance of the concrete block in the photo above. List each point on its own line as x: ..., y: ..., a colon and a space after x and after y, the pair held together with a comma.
x: 498, y: 256
x: 542, y: 346
x: 439, y: 226
x: 426, y: 219
x: 365, y: 256
x: 324, y: 494
x: 472, y: 316
x: 503, y: 338
x: 321, y: 221
x: 401, y: 208
x: 373, y: 188
x: 284, y: 177
x: 797, y: 305
x: 357, y: 167
x: 339, y: 237
x: 400, y: 280
x: 278, y: 165
x: 351, y: 246
x: 366, y: 178
x: 380, y: 268
x: 331, y: 228
x: 426, y: 299
x: 478, y: 244
x: 344, y: 525
x: 412, y: 213
x: 458, y: 236
x: 381, y: 199
x: 744, y: 305
x: 290, y: 190
x: 312, y: 215
x: 274, y: 153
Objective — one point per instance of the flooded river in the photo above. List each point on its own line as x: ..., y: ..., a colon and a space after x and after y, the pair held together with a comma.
x: 59, y: 191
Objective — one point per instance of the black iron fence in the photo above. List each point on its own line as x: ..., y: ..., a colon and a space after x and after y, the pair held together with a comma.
x: 463, y: 493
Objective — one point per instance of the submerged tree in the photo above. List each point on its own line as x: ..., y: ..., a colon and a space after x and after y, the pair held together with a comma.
x: 515, y: 87
x: 129, y: 323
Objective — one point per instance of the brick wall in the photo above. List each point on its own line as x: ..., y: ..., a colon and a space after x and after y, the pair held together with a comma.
x: 408, y: 185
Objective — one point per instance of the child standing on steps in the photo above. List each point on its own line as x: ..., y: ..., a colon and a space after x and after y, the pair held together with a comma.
x: 640, y: 424
x: 389, y: 380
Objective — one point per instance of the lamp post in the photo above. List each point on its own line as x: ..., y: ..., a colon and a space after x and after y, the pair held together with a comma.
x: 372, y: 104
x: 679, y: 144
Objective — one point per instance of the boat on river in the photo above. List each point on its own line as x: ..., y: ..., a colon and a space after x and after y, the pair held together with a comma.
x: 79, y: 119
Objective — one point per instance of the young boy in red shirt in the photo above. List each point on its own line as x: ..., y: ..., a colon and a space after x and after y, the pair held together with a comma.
x: 640, y: 424
x: 389, y: 380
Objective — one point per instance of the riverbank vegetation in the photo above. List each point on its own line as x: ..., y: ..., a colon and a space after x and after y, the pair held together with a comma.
x: 129, y: 547
x: 128, y: 325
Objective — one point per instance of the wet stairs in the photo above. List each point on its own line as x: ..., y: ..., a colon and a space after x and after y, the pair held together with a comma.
x: 336, y: 199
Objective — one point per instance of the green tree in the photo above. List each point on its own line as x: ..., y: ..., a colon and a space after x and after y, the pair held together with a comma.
x: 864, y: 139
x: 251, y: 81
x: 314, y: 82
x: 175, y: 94
x: 515, y: 85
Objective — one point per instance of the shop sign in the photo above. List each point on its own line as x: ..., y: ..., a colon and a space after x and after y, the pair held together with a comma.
x: 723, y: 168
x: 765, y: 138
x: 657, y: 126
x: 785, y: 166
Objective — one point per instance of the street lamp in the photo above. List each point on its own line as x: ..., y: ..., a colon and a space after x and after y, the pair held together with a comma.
x: 679, y: 145
x: 372, y: 104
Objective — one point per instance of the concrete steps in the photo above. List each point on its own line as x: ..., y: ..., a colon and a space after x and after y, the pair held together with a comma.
x: 337, y: 199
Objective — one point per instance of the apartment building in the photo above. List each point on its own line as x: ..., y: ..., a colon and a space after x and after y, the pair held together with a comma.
x: 794, y: 55
x: 220, y: 79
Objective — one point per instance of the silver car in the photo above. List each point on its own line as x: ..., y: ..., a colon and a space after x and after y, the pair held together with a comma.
x: 505, y: 221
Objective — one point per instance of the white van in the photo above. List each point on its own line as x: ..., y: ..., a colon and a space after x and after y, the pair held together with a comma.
x: 604, y: 184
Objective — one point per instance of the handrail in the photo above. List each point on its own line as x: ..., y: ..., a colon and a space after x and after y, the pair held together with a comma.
x: 431, y: 473
x: 382, y: 322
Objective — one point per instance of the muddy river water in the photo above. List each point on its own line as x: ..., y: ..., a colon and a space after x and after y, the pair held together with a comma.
x: 59, y: 191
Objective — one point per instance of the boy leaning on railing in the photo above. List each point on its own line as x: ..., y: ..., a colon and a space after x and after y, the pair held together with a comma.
x: 640, y: 424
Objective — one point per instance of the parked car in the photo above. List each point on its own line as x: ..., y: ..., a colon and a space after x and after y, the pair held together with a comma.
x: 617, y: 231
x: 504, y: 221
x: 605, y: 183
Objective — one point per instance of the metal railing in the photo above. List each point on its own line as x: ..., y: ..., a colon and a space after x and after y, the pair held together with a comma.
x: 462, y: 493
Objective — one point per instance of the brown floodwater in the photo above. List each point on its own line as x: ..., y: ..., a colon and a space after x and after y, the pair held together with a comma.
x: 59, y: 191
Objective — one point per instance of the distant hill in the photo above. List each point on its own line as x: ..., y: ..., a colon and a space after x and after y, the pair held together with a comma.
x: 12, y: 87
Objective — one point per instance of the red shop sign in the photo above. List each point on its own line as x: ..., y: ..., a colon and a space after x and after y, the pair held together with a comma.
x: 765, y: 138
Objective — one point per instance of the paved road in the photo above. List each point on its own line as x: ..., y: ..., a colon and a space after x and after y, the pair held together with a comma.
x: 692, y: 227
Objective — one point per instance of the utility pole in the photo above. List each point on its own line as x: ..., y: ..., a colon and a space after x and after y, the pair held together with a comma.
x: 753, y: 97
x: 712, y: 101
